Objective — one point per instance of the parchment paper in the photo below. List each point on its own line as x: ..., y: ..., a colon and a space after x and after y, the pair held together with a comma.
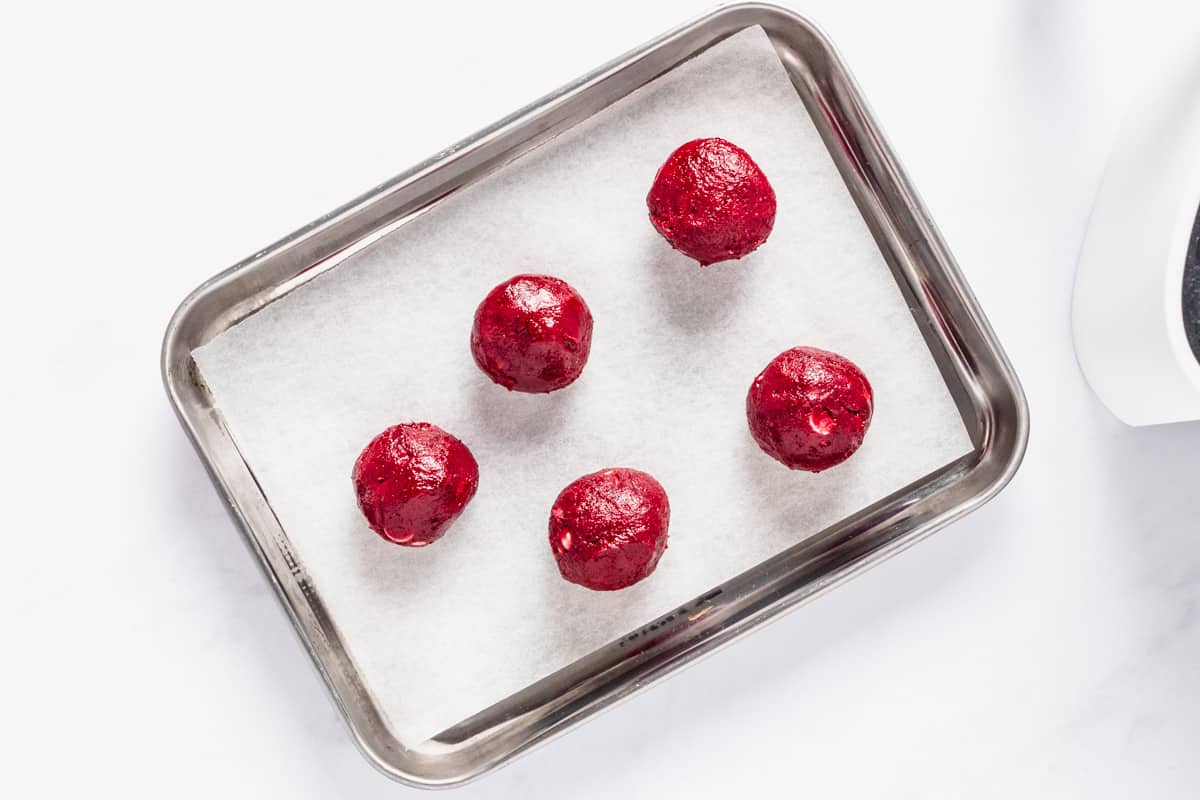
x: 441, y: 633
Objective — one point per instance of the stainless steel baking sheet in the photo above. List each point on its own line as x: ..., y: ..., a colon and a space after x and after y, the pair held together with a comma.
x: 974, y: 368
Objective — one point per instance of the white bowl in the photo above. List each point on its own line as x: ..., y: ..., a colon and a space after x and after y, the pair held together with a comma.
x: 1127, y: 318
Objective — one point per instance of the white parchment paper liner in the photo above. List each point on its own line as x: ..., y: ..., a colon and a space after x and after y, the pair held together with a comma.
x: 443, y: 632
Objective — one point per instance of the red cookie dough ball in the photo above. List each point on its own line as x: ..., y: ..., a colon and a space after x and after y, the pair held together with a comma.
x: 412, y: 481
x: 711, y: 201
x: 809, y: 409
x: 609, y: 528
x: 532, y: 333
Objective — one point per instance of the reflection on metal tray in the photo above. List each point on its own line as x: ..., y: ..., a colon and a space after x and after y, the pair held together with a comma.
x: 971, y: 361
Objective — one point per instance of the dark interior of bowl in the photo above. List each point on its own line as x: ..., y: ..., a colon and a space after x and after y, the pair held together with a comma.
x: 1191, y: 290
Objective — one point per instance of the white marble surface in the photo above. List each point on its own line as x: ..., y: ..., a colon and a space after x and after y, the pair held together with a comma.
x: 1047, y: 646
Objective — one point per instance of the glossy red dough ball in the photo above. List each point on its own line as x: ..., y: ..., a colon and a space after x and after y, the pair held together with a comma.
x: 711, y: 201
x: 809, y: 409
x: 412, y: 481
x: 532, y: 333
x: 609, y: 528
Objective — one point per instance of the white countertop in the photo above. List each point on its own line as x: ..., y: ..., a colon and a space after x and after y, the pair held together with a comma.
x: 1046, y: 646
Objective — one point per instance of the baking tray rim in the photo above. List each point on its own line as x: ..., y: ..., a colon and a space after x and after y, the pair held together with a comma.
x: 990, y: 467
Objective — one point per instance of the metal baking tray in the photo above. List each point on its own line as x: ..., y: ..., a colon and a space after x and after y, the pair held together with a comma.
x: 979, y: 376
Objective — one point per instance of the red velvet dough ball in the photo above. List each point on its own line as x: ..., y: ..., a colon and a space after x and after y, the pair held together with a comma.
x: 710, y: 201
x: 809, y: 409
x: 609, y: 528
x: 532, y: 333
x: 412, y: 481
